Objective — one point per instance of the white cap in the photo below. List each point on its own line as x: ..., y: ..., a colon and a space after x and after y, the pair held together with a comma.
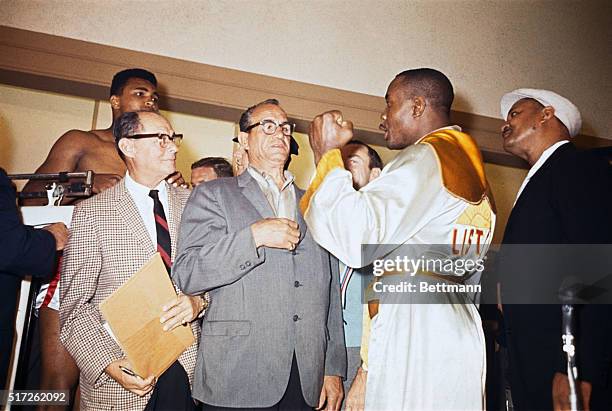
x: 565, y: 110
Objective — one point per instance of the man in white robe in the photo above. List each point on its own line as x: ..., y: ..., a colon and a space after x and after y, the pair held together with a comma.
x: 426, y: 349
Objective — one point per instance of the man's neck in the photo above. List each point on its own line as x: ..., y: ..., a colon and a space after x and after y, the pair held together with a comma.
x: 143, y: 179
x: 536, y: 152
x: 276, y: 173
x: 434, y: 121
x: 105, y: 134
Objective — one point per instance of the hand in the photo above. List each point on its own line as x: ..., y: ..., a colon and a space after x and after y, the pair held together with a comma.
x: 60, y: 233
x: 327, y: 132
x: 180, y: 311
x: 560, y: 393
x: 176, y: 179
x: 331, y: 393
x: 240, y: 160
x: 276, y: 233
x: 103, y: 181
x: 135, y: 384
x: 355, y: 400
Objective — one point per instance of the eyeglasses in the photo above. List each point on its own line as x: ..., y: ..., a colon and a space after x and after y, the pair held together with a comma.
x: 162, y: 138
x: 269, y: 127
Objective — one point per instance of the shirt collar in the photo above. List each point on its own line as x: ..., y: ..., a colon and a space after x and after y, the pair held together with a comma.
x: 453, y: 127
x: 140, y: 190
x: 545, y: 155
x: 263, y: 178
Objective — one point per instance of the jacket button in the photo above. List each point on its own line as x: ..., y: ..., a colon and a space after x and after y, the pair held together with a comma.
x: 296, y: 317
x: 296, y: 284
x: 248, y: 263
x: 242, y: 267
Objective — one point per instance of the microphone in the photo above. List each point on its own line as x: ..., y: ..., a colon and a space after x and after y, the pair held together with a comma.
x: 568, y: 294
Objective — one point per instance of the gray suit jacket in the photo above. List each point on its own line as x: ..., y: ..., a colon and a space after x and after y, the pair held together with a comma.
x: 266, y: 303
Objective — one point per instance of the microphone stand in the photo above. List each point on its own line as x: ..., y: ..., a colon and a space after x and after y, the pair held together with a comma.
x: 567, y: 311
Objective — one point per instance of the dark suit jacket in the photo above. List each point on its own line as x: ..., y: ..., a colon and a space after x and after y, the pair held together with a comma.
x: 567, y: 201
x: 25, y: 251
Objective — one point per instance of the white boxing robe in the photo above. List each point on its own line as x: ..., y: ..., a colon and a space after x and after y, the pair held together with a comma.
x: 421, y: 356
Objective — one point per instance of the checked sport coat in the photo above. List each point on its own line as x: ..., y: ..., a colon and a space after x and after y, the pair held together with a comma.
x: 108, y: 244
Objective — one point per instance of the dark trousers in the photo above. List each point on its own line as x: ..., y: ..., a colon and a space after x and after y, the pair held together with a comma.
x: 293, y: 399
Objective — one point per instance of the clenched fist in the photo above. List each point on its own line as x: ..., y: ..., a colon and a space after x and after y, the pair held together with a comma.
x: 276, y: 233
x: 327, y: 132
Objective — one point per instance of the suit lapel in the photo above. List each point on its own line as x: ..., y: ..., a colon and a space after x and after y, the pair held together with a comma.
x: 174, y: 216
x: 302, y: 223
x: 252, y: 191
x: 130, y: 215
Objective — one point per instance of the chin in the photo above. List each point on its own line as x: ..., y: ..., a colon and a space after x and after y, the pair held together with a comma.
x: 396, y: 145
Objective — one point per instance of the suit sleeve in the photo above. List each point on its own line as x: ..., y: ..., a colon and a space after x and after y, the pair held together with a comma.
x: 81, y: 323
x: 210, y: 256
x: 25, y: 250
x: 583, y: 201
x: 335, y: 358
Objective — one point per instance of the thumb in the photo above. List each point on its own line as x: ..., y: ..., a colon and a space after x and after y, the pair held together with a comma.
x: 322, y: 399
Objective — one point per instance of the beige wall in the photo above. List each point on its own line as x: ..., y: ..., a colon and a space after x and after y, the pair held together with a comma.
x: 31, y: 121
x: 486, y: 47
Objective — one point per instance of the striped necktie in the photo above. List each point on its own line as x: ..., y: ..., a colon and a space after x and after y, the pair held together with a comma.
x: 161, y: 226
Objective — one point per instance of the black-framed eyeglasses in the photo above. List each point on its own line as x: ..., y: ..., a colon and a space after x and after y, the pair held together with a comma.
x: 162, y: 138
x: 270, y: 126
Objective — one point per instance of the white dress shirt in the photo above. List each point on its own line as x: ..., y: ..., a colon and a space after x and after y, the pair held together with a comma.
x: 283, y: 200
x: 538, y: 164
x: 144, y: 203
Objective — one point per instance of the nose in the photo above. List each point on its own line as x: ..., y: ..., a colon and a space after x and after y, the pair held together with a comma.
x: 505, y: 127
x: 383, y: 116
x: 172, y: 147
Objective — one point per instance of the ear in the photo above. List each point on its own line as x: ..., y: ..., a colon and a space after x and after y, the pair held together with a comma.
x: 114, y: 102
x: 418, y: 106
x: 374, y: 173
x: 548, y: 113
x: 127, y: 147
x: 243, y: 140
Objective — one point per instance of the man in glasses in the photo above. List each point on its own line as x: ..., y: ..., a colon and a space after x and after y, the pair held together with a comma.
x: 112, y: 236
x: 273, y: 336
x: 78, y: 150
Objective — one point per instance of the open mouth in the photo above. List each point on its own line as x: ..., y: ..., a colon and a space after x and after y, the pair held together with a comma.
x: 382, y: 127
x: 506, y: 131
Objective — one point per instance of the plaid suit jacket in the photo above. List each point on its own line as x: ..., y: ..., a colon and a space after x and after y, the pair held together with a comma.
x: 108, y: 244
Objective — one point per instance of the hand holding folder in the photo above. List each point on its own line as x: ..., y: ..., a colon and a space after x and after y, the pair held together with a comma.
x: 133, y: 312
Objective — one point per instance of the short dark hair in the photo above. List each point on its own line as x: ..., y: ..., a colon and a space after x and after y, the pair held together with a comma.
x: 221, y: 166
x: 121, y: 78
x: 431, y: 84
x: 125, y: 125
x: 375, y: 160
x: 245, y: 118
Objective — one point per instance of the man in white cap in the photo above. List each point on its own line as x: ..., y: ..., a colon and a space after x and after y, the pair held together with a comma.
x: 566, y: 198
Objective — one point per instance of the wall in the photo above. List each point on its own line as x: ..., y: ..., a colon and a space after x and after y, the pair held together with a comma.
x: 486, y: 47
x: 31, y: 121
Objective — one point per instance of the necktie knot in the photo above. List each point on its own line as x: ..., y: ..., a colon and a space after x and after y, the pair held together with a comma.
x: 154, y: 195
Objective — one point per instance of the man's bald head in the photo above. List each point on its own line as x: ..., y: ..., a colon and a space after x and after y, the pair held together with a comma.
x: 430, y: 84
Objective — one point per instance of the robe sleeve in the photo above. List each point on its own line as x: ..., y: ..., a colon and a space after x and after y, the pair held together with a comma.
x: 389, y: 210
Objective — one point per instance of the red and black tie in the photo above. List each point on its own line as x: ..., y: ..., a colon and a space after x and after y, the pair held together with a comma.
x: 161, y: 226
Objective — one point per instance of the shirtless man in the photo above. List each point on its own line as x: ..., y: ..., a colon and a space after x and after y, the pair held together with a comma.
x: 78, y: 150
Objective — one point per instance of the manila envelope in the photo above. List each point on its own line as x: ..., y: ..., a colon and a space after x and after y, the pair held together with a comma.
x: 133, y: 312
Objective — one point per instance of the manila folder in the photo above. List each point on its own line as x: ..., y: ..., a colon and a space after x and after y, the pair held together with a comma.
x: 133, y: 313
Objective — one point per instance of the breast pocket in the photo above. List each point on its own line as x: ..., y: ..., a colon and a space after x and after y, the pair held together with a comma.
x: 226, y: 328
